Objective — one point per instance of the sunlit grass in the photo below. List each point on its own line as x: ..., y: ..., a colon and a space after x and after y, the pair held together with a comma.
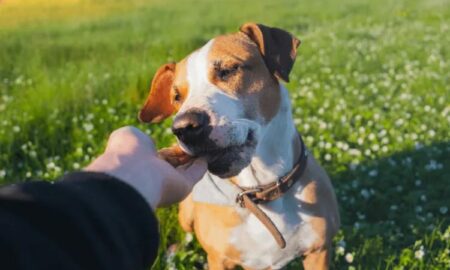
x: 16, y: 13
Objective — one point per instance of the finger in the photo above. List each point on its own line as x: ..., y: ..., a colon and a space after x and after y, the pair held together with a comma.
x: 194, y: 172
x: 130, y: 139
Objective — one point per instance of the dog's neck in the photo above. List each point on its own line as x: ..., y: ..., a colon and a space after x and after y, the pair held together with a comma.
x: 277, y: 150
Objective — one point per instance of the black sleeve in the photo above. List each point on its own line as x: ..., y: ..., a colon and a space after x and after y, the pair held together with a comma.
x: 85, y: 221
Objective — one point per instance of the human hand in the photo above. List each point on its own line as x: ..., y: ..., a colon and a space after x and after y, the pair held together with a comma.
x: 131, y: 156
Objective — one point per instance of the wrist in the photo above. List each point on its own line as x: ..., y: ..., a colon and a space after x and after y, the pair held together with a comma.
x: 132, y: 173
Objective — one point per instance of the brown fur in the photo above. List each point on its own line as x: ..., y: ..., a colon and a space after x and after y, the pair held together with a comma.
x: 319, y: 200
x: 158, y: 106
x: 212, y: 224
x: 251, y: 82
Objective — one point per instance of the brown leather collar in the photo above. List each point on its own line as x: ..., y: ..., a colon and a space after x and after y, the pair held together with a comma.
x: 250, y: 197
x: 273, y: 191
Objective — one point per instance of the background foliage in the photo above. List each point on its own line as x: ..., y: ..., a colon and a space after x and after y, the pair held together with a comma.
x: 370, y: 91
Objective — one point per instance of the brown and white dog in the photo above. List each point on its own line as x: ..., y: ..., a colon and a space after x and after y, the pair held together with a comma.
x: 232, y: 109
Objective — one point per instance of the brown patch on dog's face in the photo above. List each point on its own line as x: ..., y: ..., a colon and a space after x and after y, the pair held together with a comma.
x: 237, y: 68
x: 180, y: 86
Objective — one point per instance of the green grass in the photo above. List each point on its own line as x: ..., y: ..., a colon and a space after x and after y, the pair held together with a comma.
x: 370, y: 91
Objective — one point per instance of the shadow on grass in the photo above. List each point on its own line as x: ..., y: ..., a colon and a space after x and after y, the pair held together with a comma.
x: 388, y: 205
x: 389, y: 208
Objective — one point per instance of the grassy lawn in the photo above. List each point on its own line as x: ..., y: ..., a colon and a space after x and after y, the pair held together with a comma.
x: 370, y: 91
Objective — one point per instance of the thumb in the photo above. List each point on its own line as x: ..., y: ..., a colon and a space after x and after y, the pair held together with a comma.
x: 194, y: 172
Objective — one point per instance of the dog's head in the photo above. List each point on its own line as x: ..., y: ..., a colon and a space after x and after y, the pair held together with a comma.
x: 223, y: 94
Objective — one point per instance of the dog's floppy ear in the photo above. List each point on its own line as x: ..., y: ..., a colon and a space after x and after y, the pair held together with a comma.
x: 158, y: 105
x: 278, y: 47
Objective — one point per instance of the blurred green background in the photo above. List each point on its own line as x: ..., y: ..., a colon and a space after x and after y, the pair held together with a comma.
x: 370, y: 93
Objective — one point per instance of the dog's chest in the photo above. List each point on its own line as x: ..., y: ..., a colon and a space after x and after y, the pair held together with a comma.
x: 257, y: 247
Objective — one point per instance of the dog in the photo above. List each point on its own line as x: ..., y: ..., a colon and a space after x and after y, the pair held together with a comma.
x: 264, y: 201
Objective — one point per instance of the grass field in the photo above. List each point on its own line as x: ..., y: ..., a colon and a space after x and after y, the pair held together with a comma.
x: 370, y: 91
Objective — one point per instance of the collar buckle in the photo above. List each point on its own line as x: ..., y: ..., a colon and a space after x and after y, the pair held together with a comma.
x: 249, y: 192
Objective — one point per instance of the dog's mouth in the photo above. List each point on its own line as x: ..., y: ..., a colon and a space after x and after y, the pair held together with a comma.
x: 214, y: 155
x: 230, y: 160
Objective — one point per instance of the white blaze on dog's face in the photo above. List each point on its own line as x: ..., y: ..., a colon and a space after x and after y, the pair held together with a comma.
x: 223, y: 94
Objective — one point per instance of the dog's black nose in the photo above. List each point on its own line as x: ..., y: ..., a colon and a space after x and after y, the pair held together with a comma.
x: 192, y: 127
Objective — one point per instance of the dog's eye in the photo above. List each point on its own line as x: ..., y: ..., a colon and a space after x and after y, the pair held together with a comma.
x: 223, y: 73
x: 176, y: 95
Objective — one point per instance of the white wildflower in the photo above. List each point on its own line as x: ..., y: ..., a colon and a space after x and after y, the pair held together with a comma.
x: 418, y: 146
x: 349, y: 257
x: 419, y: 253
x: 188, y: 237
x: 373, y: 173
x: 354, y: 152
x: 360, y: 215
x: 340, y: 250
x: 322, y: 125
x: 443, y: 210
x: 51, y: 165
x: 16, y: 129
x: 399, y: 122
x: 353, y: 166
x: 2, y: 173
x: 88, y: 127
x: 365, y: 193
x: 345, y: 147
x: 433, y: 165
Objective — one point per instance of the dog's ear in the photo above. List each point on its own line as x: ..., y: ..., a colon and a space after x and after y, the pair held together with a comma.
x: 158, y: 105
x: 278, y: 47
